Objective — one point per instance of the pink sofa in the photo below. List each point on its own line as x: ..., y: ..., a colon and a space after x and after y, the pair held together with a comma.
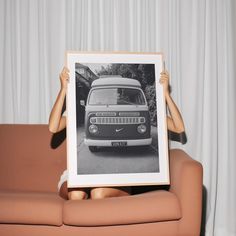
x: 31, y: 162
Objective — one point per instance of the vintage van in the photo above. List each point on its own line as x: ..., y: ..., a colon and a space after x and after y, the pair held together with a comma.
x: 116, y: 114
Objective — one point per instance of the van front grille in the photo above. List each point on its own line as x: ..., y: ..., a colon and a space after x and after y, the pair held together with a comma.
x: 117, y: 120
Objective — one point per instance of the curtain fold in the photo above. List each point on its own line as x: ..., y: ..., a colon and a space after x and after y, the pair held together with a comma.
x: 200, y: 56
x: 198, y: 41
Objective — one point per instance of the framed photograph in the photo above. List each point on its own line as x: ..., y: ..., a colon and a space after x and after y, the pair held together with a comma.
x: 116, y: 120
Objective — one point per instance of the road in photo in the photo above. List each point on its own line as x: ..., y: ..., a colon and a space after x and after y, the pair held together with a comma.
x: 110, y: 160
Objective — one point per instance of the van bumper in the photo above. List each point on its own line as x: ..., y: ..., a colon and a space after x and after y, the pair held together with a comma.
x: 107, y: 143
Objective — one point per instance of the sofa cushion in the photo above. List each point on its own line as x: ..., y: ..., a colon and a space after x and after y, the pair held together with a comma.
x: 30, y: 158
x: 142, y: 208
x: 30, y: 208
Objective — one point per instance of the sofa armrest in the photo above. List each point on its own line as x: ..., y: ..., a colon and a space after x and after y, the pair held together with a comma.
x: 186, y: 177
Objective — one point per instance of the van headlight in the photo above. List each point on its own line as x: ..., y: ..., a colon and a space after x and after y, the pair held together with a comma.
x: 142, y: 129
x: 93, y: 129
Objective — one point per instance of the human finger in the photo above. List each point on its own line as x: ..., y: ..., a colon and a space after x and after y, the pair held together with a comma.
x: 65, y: 69
x: 65, y: 72
x: 165, y: 73
x: 164, y: 77
x: 162, y: 81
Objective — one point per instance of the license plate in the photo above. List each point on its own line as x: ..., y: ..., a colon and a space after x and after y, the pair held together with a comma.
x: 119, y: 144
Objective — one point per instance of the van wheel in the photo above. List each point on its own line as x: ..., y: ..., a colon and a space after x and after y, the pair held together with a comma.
x: 93, y: 148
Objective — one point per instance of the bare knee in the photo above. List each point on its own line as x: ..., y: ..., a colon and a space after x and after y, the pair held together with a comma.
x: 99, y: 193
x: 77, y: 195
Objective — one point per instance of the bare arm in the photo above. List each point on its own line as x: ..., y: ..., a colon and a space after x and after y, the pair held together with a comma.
x: 57, y: 122
x: 174, y: 121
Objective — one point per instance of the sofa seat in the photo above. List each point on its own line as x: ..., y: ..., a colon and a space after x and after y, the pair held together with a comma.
x: 32, y: 160
x: 30, y: 208
x: 147, y: 207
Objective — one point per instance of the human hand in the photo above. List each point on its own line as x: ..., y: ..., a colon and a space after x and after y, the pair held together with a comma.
x: 64, y: 78
x: 164, y: 81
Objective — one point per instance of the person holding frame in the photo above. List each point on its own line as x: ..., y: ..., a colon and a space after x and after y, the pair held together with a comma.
x: 57, y: 122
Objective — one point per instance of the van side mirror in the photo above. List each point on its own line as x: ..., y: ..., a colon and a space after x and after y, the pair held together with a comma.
x: 82, y: 103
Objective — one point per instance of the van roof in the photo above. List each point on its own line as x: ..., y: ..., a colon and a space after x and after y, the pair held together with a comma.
x: 111, y: 81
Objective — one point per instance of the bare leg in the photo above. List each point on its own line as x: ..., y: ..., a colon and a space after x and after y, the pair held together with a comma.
x: 77, y: 194
x: 99, y: 193
x: 72, y: 194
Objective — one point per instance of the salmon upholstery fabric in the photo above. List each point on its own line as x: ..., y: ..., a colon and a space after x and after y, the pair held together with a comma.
x: 165, y: 228
x: 186, y: 183
x: 31, y: 162
x: 143, y: 208
x: 30, y: 208
x: 31, y: 158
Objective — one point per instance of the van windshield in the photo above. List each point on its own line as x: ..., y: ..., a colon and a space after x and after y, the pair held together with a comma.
x: 116, y: 96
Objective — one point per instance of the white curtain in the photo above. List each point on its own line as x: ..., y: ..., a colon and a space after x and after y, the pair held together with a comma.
x: 198, y: 40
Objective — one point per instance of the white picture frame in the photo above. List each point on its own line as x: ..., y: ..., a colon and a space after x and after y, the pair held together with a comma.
x: 105, y: 167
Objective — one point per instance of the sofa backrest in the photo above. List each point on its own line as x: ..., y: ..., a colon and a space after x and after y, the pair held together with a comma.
x: 31, y: 158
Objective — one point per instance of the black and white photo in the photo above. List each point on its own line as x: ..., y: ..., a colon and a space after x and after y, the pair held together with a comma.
x: 116, y: 120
